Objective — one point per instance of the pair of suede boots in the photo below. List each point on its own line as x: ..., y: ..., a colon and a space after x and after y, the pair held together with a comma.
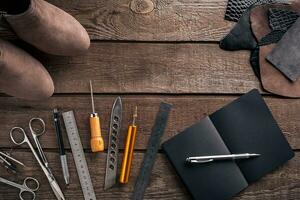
x: 269, y: 31
x: 48, y: 29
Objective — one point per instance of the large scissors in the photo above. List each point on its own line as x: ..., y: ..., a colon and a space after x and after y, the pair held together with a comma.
x: 25, y: 188
x: 42, y: 159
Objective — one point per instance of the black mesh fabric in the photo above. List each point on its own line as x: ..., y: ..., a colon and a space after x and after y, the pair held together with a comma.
x: 236, y: 8
x: 281, y: 19
x: 272, y: 37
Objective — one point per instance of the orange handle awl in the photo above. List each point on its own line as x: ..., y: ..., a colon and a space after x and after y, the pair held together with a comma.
x: 128, y: 153
x: 97, y: 143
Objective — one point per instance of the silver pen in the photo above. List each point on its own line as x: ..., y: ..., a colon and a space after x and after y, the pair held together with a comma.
x: 63, y: 158
x: 206, y: 159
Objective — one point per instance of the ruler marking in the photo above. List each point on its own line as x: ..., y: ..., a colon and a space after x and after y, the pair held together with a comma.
x: 78, y: 155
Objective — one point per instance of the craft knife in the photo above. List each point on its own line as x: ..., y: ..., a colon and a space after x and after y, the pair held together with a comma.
x: 112, y: 154
x: 60, y: 141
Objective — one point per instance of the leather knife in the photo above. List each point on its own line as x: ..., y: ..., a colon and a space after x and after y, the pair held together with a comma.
x: 113, y: 151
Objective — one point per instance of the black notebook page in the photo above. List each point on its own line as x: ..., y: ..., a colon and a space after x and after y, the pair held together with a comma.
x: 247, y: 126
x: 217, y: 180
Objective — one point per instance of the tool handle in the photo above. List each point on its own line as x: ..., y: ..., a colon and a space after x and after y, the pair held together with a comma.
x: 128, y: 154
x: 60, y: 140
x: 97, y: 143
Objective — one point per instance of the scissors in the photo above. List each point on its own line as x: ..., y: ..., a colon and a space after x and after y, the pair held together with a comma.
x: 41, y: 158
x: 25, y: 188
x: 9, y: 162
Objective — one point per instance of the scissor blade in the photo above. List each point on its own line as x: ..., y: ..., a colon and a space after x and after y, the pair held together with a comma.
x: 11, y: 158
x: 56, y: 189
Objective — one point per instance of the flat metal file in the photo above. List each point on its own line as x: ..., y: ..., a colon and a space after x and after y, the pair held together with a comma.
x: 113, y: 151
x: 152, y: 149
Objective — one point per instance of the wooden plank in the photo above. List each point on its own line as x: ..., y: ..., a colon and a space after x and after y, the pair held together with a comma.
x: 177, y: 20
x: 186, y: 111
x: 283, y: 183
x: 153, y: 68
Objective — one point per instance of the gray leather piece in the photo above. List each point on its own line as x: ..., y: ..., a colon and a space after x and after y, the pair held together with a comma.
x: 241, y: 36
x: 236, y: 8
x: 272, y: 79
x: 282, y: 19
x: 286, y: 55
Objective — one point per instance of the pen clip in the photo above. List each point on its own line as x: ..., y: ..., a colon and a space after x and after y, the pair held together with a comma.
x: 200, y: 161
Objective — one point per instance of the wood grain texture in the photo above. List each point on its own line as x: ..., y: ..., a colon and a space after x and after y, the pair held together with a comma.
x: 153, y: 68
x: 186, y: 111
x: 170, y: 20
x: 283, y: 183
x: 193, y: 75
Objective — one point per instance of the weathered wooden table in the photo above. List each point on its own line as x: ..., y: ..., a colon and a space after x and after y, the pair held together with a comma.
x: 145, y: 55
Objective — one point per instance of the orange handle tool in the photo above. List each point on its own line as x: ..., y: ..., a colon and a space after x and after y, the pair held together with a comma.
x: 97, y: 143
x: 128, y: 153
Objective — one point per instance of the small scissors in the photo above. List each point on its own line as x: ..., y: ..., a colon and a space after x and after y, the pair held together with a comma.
x: 36, y: 134
x: 9, y: 162
x: 43, y: 163
x: 25, y: 188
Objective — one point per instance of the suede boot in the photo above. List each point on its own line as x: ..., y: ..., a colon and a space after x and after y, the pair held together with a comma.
x: 47, y: 27
x: 21, y: 75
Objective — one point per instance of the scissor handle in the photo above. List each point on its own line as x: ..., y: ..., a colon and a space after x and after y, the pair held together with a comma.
x: 18, y: 130
x: 23, y: 192
x: 41, y: 121
x: 28, y: 188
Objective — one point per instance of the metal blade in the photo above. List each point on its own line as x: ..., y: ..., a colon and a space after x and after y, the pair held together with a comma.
x: 113, y: 151
x: 56, y: 189
x: 11, y: 158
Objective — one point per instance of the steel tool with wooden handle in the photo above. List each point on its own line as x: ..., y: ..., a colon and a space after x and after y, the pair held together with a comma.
x: 97, y: 143
x: 128, y: 153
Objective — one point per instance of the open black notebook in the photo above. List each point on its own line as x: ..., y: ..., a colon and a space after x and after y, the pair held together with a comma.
x: 244, y: 126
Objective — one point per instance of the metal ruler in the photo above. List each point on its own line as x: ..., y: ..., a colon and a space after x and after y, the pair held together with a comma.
x: 152, y: 149
x: 113, y: 145
x: 78, y: 155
